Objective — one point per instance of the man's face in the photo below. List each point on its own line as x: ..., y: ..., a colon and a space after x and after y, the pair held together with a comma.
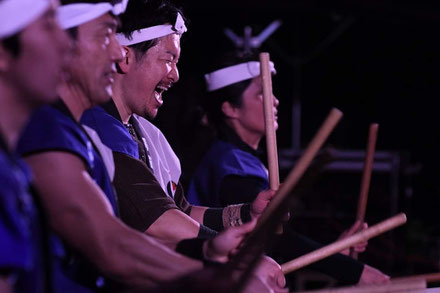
x: 251, y: 112
x: 93, y: 66
x: 151, y: 76
x: 44, y: 51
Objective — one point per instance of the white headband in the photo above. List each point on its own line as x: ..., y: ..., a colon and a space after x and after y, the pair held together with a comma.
x: 15, y: 15
x: 233, y: 74
x: 73, y: 15
x: 154, y: 32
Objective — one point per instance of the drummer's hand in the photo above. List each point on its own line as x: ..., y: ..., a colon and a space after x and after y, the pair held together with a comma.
x: 261, y: 202
x: 227, y: 242
x: 359, y: 247
x: 371, y: 275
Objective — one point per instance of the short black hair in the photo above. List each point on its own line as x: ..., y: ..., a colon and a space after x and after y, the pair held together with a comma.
x: 12, y: 44
x: 212, y: 103
x: 146, y: 13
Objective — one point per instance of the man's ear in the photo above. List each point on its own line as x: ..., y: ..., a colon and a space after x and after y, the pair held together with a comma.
x: 229, y: 110
x: 128, y: 60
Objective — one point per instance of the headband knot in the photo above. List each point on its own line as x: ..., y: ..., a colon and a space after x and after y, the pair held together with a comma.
x: 153, y: 32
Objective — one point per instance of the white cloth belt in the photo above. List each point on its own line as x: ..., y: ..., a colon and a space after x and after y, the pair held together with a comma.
x: 163, y: 160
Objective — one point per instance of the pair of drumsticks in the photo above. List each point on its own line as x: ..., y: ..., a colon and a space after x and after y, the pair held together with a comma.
x: 271, y: 142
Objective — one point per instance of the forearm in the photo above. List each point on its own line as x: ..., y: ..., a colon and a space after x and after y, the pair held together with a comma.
x: 234, y: 191
x: 230, y: 216
x: 138, y: 260
x: 174, y: 226
x: 80, y: 214
x: 121, y: 253
x: 220, y: 218
x: 198, y: 213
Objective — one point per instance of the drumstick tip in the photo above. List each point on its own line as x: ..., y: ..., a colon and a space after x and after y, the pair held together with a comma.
x: 336, y: 112
x: 403, y: 217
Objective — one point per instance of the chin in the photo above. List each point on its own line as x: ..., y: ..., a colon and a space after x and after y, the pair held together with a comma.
x: 101, y: 99
x: 49, y: 96
x: 150, y: 114
x: 109, y: 90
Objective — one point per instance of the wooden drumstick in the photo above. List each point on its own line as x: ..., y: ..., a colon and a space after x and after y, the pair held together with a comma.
x: 302, y: 164
x: 255, y: 242
x: 412, y: 286
x: 342, y: 244
x: 269, y: 125
x: 429, y: 278
x: 366, y: 176
x: 269, y: 122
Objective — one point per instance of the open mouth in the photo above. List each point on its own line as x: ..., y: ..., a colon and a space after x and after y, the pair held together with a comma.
x: 110, y: 78
x: 110, y: 74
x: 158, y: 91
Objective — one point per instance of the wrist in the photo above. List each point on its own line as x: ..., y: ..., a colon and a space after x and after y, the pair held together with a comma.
x: 232, y: 216
x: 246, y: 214
x: 210, y: 254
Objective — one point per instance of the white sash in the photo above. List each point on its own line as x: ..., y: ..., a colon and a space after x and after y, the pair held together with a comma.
x: 163, y: 160
x: 105, y: 152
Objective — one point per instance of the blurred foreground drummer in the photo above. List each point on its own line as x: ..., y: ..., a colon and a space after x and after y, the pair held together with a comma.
x: 29, y: 73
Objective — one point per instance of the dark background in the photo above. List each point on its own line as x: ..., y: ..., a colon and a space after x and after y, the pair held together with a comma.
x: 383, y: 67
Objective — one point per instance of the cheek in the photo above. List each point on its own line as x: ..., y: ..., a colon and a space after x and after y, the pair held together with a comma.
x: 139, y: 90
x: 95, y: 57
x: 253, y: 116
x: 259, y: 116
x: 257, y: 110
x: 144, y: 76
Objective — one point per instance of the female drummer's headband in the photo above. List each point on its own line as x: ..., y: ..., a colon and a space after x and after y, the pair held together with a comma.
x: 154, y: 32
x: 73, y: 15
x: 233, y: 74
x: 15, y: 15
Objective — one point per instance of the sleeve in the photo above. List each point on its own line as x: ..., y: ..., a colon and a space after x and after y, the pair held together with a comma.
x: 141, y: 198
x: 341, y: 267
x: 181, y: 201
x: 236, y: 189
x: 50, y: 131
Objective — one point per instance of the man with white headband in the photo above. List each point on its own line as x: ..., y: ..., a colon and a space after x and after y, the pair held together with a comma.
x: 147, y: 170
x: 232, y: 170
x: 29, y: 74
x: 148, y: 70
